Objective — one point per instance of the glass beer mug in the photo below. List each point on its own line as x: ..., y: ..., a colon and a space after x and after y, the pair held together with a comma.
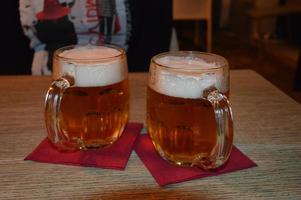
x: 87, y: 105
x: 189, y: 118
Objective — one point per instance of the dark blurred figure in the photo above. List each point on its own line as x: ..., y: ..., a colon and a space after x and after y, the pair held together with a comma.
x: 297, y: 81
x: 296, y: 39
x: 151, y: 31
x: 106, y: 14
x: 15, y: 54
x: 293, y: 35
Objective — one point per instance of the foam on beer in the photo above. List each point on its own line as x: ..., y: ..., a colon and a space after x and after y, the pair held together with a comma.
x: 190, y: 83
x: 101, y: 70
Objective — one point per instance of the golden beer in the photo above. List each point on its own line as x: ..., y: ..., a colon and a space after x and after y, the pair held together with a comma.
x: 188, y: 115
x: 181, y: 129
x: 94, y: 116
x: 87, y: 105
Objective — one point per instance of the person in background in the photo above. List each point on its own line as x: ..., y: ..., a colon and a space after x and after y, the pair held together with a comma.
x: 142, y: 28
x: 54, y: 30
x: 51, y: 24
x: 106, y: 12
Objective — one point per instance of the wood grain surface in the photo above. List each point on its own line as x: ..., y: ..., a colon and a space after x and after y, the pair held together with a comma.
x: 267, y: 129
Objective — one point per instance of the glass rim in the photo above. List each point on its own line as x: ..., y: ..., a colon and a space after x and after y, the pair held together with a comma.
x: 183, y: 52
x: 73, y: 46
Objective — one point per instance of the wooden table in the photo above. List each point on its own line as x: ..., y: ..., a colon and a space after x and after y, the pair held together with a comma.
x: 267, y: 129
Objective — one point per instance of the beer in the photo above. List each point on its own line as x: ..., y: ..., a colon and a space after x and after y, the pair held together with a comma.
x: 94, y: 109
x: 95, y: 116
x: 181, y: 121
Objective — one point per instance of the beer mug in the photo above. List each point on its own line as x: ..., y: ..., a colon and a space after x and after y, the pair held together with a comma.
x: 87, y: 104
x: 189, y: 118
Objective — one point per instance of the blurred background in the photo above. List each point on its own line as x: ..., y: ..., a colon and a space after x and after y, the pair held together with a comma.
x: 252, y: 34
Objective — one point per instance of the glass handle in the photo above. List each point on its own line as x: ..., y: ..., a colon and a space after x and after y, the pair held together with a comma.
x: 224, y: 129
x: 52, y: 111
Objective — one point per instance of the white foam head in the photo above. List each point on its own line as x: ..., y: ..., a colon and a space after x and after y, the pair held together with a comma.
x: 93, y: 65
x: 187, y: 77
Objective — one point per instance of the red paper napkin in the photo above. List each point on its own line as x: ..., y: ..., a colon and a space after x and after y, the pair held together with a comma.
x: 166, y: 173
x: 113, y: 157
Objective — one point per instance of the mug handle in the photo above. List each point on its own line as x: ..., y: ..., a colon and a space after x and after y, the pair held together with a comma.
x: 224, y: 129
x: 52, y: 111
